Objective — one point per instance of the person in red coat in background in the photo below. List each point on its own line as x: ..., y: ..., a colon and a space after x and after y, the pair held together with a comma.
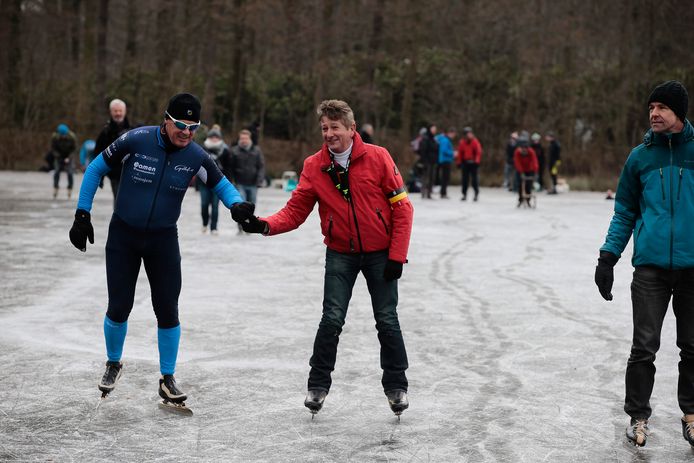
x: 525, y: 160
x: 366, y: 219
x: 469, y: 158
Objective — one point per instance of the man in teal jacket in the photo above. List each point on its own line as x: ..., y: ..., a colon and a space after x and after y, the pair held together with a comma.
x: 655, y: 202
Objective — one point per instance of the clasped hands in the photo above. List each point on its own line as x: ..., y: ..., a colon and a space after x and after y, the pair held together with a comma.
x: 243, y: 214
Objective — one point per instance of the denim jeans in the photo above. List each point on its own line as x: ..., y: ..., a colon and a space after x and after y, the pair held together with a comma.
x: 651, y: 291
x: 61, y: 166
x: 248, y: 192
x: 209, y: 201
x: 341, y: 271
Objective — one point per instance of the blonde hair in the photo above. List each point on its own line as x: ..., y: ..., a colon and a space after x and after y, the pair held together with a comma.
x: 336, y: 110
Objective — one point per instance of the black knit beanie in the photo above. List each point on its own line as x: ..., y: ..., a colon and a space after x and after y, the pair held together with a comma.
x: 184, y: 106
x: 673, y: 95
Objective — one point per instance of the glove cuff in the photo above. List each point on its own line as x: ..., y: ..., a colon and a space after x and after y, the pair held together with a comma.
x: 607, y: 258
x: 81, y: 214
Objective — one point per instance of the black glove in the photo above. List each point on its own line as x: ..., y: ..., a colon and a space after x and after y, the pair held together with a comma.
x: 242, y: 212
x: 393, y: 270
x: 604, y: 274
x: 81, y: 230
x: 255, y: 225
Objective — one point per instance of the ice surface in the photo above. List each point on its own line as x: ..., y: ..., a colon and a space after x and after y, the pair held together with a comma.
x: 514, y: 356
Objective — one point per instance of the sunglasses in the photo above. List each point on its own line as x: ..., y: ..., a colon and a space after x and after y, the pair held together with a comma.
x: 180, y: 125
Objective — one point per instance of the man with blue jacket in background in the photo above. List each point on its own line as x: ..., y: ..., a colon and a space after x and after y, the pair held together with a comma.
x: 655, y: 203
x: 157, y: 165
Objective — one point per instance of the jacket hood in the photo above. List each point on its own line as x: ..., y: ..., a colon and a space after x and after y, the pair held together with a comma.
x: 687, y: 134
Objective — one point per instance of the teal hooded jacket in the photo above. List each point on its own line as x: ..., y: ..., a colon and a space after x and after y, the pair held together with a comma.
x: 655, y: 202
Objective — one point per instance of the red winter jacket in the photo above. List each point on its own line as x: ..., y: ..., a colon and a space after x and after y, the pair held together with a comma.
x: 525, y: 164
x: 383, y: 211
x: 469, y: 150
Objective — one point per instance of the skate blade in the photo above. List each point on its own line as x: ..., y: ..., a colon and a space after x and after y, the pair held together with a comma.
x: 179, y: 408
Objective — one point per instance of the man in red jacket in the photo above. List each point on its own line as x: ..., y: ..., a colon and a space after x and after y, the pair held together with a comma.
x: 469, y: 158
x: 366, y: 218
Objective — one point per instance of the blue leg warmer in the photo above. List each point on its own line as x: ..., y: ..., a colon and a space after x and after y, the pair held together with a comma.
x: 114, y: 333
x: 168, y: 348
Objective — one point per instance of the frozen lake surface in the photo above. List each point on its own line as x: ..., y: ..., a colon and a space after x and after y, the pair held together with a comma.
x: 514, y: 357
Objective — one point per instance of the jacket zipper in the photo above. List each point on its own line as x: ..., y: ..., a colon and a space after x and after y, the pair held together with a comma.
x: 356, y: 224
x: 378, y: 211
x: 679, y: 185
x: 154, y: 202
x: 330, y: 229
x: 662, y: 184
x: 672, y: 208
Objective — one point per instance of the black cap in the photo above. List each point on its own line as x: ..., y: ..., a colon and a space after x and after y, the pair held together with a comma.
x: 673, y: 95
x: 184, y: 106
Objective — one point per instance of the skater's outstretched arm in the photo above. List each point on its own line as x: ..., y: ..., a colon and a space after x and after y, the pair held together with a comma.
x: 297, y: 209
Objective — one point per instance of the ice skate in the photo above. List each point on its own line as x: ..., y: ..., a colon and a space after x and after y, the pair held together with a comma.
x: 314, y: 400
x: 173, y: 398
x: 55, y: 193
x: 688, y: 429
x: 110, y: 378
x: 398, y: 402
x: 637, y: 431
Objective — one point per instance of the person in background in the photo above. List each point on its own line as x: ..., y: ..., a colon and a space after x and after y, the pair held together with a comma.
x: 446, y: 155
x: 509, y: 167
x: 367, y: 133
x: 87, y: 153
x: 116, y: 126
x: 525, y: 161
x: 245, y: 164
x: 554, y: 160
x: 209, y: 201
x: 429, y: 153
x: 63, y: 146
x: 536, y: 145
x: 254, y: 128
x: 470, y: 157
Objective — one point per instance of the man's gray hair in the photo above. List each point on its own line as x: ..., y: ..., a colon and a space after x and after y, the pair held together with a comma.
x: 116, y: 102
x: 336, y: 110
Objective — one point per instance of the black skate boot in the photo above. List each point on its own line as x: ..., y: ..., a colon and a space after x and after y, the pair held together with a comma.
x: 174, y: 399
x: 168, y: 390
x: 688, y: 429
x: 314, y: 400
x: 111, y: 377
x: 637, y: 431
x: 397, y: 399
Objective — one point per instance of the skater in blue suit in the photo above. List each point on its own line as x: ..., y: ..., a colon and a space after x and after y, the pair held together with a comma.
x: 157, y: 164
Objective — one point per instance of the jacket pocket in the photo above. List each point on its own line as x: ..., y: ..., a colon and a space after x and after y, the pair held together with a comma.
x: 383, y: 221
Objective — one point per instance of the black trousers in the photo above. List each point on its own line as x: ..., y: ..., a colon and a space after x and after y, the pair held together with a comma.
x: 126, y: 249
x: 445, y: 170
x: 651, y: 291
x: 470, y: 171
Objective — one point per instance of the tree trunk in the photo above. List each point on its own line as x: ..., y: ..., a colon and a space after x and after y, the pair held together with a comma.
x: 237, y: 65
x: 100, y: 72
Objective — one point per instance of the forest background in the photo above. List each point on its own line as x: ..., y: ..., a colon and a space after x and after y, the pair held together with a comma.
x: 580, y: 68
